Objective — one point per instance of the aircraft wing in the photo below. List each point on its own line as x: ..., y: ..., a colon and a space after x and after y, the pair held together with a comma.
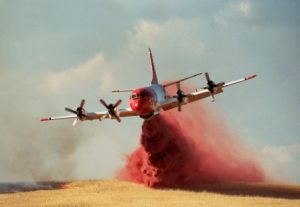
x: 127, y: 112
x: 201, y: 94
x: 195, y: 96
x: 105, y: 114
x: 95, y: 115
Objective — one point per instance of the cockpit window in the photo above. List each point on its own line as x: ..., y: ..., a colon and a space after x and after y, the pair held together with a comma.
x: 135, y: 96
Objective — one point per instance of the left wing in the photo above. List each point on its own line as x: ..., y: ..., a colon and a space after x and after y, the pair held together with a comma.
x: 80, y: 114
x: 211, y: 90
x: 94, y: 115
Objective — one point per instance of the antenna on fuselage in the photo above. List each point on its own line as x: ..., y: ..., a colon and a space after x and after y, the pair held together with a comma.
x: 154, y: 76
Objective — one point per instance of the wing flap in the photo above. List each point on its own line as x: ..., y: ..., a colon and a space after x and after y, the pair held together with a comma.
x: 192, y: 97
x: 95, y: 115
x: 127, y: 112
x: 202, y: 94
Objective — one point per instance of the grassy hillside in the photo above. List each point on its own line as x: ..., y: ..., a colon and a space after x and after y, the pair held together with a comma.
x: 117, y: 193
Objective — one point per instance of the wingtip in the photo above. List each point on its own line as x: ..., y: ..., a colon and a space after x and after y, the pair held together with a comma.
x: 44, y: 119
x: 251, y: 76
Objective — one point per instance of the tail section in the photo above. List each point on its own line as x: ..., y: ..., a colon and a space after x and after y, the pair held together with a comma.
x: 154, y: 76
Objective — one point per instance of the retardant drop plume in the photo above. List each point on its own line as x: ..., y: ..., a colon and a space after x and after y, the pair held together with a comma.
x: 187, y: 149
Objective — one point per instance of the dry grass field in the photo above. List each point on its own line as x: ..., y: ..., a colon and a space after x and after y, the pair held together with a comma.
x: 117, y: 193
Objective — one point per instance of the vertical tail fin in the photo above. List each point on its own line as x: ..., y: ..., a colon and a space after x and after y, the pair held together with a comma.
x: 154, y: 76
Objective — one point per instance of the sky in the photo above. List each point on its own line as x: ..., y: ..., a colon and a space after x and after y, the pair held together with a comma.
x: 53, y: 53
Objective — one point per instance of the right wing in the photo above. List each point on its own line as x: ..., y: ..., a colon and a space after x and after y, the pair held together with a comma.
x: 192, y: 97
x: 201, y: 94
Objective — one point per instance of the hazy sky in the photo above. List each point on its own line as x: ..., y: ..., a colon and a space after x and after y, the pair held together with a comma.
x: 53, y: 53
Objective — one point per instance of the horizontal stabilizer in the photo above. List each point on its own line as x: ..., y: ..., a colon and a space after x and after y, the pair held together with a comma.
x: 119, y: 91
x: 178, y: 81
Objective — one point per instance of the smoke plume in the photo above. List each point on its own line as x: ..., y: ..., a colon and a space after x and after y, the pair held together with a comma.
x: 189, y: 148
x: 31, y: 150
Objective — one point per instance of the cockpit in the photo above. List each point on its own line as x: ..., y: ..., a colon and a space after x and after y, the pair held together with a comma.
x: 134, y: 96
x: 139, y: 94
x: 142, y: 101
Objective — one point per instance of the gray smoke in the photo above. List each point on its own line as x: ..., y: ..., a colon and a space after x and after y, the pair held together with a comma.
x: 31, y: 150
x: 28, y: 186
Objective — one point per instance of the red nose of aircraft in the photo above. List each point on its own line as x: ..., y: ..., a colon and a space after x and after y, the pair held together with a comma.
x: 142, y: 101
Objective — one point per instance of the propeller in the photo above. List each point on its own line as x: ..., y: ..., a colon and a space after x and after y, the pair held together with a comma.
x: 211, y: 85
x: 112, y: 109
x: 179, y: 95
x: 80, y: 112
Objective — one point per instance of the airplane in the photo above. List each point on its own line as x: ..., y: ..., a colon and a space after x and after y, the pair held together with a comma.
x: 147, y: 102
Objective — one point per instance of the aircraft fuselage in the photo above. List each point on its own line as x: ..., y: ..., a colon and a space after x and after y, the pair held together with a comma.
x: 144, y: 101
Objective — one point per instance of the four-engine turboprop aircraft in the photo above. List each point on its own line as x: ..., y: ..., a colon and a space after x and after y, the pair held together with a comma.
x: 149, y: 101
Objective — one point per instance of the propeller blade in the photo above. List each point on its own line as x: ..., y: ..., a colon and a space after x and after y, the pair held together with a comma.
x: 117, y: 103
x: 103, y: 103
x: 211, y: 86
x: 207, y: 77
x: 180, y: 96
x: 75, y: 122
x: 213, y: 97
x: 179, y: 107
x: 70, y: 110
x: 112, y: 111
x: 82, y: 103
x: 118, y: 118
x: 178, y: 86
